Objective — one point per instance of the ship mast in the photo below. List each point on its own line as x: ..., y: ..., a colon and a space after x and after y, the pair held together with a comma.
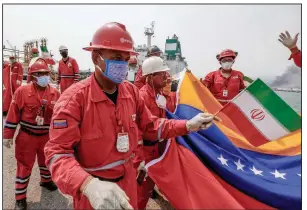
x: 149, y: 32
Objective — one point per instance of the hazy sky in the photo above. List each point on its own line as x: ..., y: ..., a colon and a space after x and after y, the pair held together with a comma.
x: 203, y: 31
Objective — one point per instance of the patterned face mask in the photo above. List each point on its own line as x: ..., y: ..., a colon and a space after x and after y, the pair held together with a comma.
x: 116, y: 71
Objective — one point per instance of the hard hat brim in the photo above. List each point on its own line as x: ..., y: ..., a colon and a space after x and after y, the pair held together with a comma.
x: 98, y: 47
x: 41, y: 70
x: 160, y: 70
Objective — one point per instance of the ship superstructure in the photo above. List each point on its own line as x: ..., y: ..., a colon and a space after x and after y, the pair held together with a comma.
x: 172, y: 53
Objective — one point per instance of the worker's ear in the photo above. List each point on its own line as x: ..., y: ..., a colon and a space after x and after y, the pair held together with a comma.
x: 95, y: 56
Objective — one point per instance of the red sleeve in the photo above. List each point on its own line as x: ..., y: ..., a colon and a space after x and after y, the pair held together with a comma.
x: 13, y: 116
x: 157, y: 128
x: 242, y: 85
x: 28, y: 75
x: 59, y: 73
x: 208, y: 80
x: 59, y: 151
x: 140, y: 81
x: 76, y: 70
x: 20, y: 72
x: 297, y: 56
x: 173, y: 96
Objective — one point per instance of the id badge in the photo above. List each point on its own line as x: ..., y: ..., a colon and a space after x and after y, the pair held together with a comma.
x: 122, y: 143
x: 39, y: 120
x: 225, y: 93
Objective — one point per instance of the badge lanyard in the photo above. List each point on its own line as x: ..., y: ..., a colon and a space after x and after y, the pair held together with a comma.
x: 41, y: 111
x: 225, y: 91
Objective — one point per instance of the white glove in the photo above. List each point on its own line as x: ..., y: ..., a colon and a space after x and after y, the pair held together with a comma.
x: 287, y: 40
x: 8, y: 143
x: 201, y: 120
x: 106, y: 195
x: 18, y: 82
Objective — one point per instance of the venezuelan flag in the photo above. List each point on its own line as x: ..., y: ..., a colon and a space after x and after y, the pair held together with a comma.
x: 218, y: 168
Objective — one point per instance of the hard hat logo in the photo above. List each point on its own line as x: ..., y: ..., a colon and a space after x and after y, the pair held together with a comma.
x: 123, y: 40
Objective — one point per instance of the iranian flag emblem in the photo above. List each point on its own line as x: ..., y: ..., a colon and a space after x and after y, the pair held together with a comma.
x: 261, y: 115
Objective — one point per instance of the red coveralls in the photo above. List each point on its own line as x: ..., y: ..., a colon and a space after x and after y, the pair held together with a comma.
x: 297, y: 56
x: 171, y: 100
x: 28, y: 76
x: 11, y: 74
x: 68, y: 73
x: 217, y: 83
x: 83, y: 136
x: 151, y: 149
x: 140, y: 80
x: 31, y: 138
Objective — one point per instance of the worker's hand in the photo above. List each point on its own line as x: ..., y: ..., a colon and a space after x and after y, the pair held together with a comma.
x: 142, y: 166
x: 106, y: 195
x: 287, y: 40
x: 200, y: 121
x: 18, y: 82
x: 8, y: 143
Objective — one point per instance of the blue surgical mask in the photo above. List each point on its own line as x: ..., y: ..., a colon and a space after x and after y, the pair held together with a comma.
x: 116, y: 71
x: 43, y: 81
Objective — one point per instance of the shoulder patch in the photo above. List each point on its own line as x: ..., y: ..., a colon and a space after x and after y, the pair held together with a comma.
x: 58, y: 124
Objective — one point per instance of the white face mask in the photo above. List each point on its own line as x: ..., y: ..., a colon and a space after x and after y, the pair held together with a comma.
x: 226, y: 65
x: 161, y: 101
x: 43, y: 81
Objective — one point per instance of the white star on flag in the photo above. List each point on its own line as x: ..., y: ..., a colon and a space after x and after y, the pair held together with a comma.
x: 278, y: 175
x: 223, y: 160
x: 239, y: 165
x: 256, y: 172
x: 299, y: 175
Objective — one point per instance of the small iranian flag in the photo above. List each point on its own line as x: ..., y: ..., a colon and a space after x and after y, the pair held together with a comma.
x: 46, y: 55
x: 261, y: 115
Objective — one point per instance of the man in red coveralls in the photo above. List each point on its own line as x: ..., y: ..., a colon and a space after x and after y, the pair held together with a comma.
x: 140, y: 80
x: 95, y: 128
x: 155, y: 69
x: 12, y: 79
x: 225, y: 83
x: 68, y: 70
x: 5, y: 64
x: 290, y: 43
x: 32, y: 108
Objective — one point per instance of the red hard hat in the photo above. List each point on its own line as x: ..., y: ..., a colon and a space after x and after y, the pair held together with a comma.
x: 40, y: 65
x: 113, y: 36
x: 226, y: 53
x: 34, y: 50
x: 12, y: 57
